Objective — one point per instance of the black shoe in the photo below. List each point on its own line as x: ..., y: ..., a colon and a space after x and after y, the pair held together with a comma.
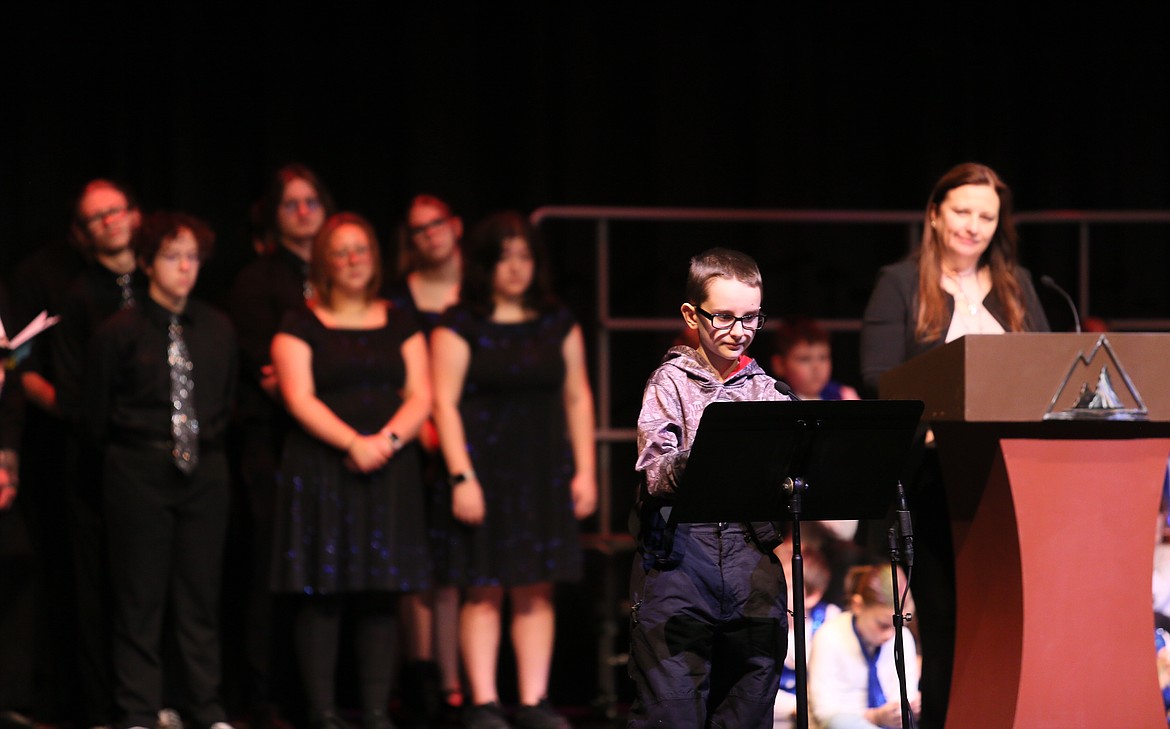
x: 421, y: 699
x: 169, y: 719
x: 485, y: 716
x: 328, y: 720
x: 451, y: 708
x: 267, y: 716
x: 14, y: 720
x: 377, y: 719
x: 540, y: 716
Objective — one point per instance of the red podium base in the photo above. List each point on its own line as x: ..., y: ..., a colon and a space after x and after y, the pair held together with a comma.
x: 1054, y: 556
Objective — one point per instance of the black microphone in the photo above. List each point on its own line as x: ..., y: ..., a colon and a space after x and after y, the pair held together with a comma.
x: 905, y: 528
x: 1051, y: 283
x: 783, y: 388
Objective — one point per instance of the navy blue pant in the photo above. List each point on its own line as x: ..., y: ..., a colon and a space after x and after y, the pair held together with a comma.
x: 708, y: 635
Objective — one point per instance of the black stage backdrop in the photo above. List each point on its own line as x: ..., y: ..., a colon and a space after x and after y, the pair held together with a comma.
x: 737, y: 105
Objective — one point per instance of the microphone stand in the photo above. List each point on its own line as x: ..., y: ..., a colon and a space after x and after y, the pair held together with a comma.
x: 898, y: 555
x: 793, y: 488
x: 1051, y: 283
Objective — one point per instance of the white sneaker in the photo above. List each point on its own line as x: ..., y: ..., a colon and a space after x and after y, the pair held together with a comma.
x: 169, y: 719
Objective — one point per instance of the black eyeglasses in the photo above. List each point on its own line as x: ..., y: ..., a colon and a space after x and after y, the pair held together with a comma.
x: 417, y: 230
x: 109, y: 214
x: 720, y: 322
x: 292, y: 207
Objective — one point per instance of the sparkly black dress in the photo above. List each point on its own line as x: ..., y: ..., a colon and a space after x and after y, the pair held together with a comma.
x: 339, y: 531
x: 513, y: 414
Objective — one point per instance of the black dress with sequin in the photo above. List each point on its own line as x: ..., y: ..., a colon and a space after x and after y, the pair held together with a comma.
x: 339, y: 531
x: 513, y: 413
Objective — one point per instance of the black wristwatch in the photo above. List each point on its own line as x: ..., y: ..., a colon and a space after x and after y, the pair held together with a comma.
x: 457, y: 478
x: 395, y: 441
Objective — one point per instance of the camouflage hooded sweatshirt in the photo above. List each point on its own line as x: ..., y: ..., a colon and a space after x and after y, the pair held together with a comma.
x: 676, y: 395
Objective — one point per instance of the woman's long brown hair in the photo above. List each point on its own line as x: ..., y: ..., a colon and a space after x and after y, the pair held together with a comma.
x: 1000, y: 255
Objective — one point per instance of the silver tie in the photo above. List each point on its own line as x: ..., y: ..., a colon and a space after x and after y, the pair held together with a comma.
x: 184, y: 424
x: 127, y: 291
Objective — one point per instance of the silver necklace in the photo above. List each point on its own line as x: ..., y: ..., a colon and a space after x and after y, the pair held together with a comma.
x: 969, y: 303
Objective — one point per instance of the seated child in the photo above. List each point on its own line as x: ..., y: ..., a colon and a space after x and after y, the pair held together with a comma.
x: 708, y: 604
x: 817, y: 610
x: 852, y: 678
x: 803, y: 360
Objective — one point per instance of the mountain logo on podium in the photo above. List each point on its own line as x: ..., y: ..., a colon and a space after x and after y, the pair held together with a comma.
x: 1089, y: 392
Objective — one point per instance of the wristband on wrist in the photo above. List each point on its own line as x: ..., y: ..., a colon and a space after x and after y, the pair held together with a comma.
x: 457, y: 478
x: 395, y: 441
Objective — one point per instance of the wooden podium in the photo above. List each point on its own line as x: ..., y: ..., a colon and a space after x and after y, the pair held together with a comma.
x: 1054, y: 524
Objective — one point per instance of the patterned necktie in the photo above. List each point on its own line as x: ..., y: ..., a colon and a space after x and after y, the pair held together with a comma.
x: 184, y: 425
x: 127, y: 291
x: 306, y: 284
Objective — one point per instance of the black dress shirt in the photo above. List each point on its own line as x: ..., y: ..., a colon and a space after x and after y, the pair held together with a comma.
x: 128, y: 382
x: 39, y: 284
x: 92, y: 298
x: 263, y: 291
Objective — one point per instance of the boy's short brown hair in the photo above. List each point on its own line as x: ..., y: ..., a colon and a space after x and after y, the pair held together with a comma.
x: 720, y: 263
x: 160, y: 227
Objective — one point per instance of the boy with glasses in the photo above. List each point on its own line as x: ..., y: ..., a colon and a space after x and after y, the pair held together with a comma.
x: 159, y: 388
x: 709, y: 623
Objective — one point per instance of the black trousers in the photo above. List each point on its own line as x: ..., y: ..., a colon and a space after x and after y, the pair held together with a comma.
x: 166, y: 534
x: 708, y: 636
x: 268, y: 620
x: 91, y: 599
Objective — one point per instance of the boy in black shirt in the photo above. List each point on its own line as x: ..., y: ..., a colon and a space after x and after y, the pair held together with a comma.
x: 159, y: 391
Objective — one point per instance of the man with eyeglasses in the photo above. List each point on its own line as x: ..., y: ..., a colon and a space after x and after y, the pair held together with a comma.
x: 291, y: 212
x: 105, y: 219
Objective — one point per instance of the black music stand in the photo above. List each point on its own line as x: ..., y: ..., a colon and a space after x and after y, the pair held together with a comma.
x: 793, y: 460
